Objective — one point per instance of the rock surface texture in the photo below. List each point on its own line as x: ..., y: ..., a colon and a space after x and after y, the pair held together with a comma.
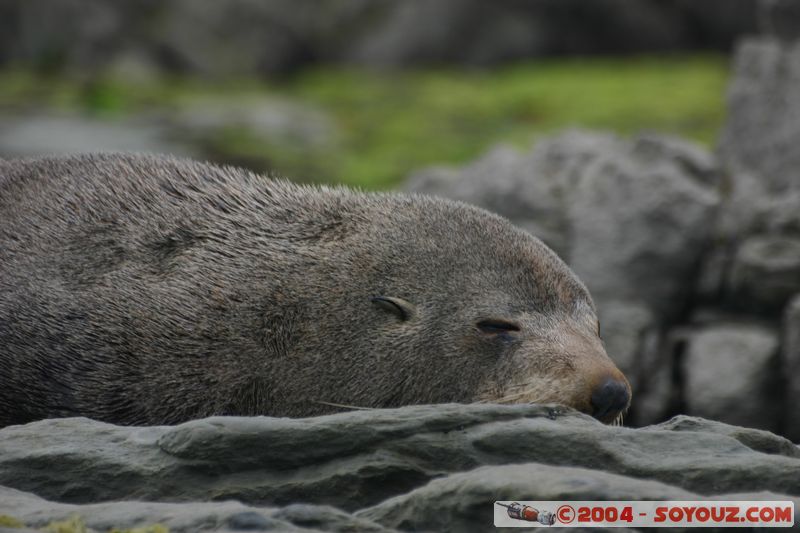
x: 429, y: 468
x: 693, y: 258
x: 790, y: 366
x: 196, y: 128
x: 745, y: 358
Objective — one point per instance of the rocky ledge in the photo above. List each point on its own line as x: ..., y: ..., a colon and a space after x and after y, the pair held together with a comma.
x: 437, y: 468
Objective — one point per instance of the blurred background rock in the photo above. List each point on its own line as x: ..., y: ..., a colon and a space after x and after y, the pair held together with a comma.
x: 655, y: 144
x: 355, y: 91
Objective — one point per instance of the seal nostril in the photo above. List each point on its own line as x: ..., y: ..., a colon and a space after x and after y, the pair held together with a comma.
x: 609, y: 398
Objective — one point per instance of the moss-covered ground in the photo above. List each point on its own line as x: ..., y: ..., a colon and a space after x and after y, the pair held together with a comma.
x: 390, y: 123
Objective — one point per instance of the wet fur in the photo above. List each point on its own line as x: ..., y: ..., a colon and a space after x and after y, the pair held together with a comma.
x: 152, y: 290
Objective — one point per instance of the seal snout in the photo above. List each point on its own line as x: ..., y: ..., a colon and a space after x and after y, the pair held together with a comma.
x: 609, y: 399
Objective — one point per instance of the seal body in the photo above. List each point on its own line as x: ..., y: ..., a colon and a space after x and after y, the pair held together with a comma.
x: 151, y: 290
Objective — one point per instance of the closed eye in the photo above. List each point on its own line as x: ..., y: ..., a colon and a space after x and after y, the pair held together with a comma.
x: 494, y: 326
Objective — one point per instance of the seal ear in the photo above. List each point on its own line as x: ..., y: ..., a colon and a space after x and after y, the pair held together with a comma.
x: 397, y: 306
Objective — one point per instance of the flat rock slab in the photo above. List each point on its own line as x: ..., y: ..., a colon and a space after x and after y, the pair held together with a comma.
x: 417, y: 467
x: 37, y: 513
x: 467, y: 495
x: 29, y: 136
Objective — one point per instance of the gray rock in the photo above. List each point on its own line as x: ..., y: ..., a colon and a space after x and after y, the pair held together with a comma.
x: 790, y: 366
x: 624, y: 326
x: 532, y: 190
x: 714, y: 272
x: 443, y: 180
x: 82, y: 34
x: 44, y: 134
x: 247, y: 37
x: 731, y: 374
x: 756, y: 439
x: 411, y: 32
x: 460, y: 502
x: 780, y: 213
x: 198, y: 126
x: 270, y: 119
x: 482, y: 33
x: 36, y: 512
x: 656, y: 395
x: 632, y: 338
x: 465, y: 501
x: 766, y: 272
x: 780, y: 18
x: 762, y: 132
x: 695, y: 160
x: 758, y: 259
x: 358, y: 459
x: 326, y: 519
x: 751, y: 209
x: 135, y: 67
x: 235, y: 38
x: 641, y: 219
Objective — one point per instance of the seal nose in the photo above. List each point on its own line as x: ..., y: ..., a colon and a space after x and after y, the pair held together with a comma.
x: 609, y: 399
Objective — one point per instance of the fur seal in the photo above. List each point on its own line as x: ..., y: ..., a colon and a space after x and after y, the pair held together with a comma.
x: 151, y: 290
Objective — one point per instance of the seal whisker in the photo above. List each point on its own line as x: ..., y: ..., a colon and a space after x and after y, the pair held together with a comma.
x: 344, y: 406
x: 510, y: 398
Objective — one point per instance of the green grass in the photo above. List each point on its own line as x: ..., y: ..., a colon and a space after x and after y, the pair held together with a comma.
x: 392, y: 123
x: 395, y: 123
x: 76, y: 524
